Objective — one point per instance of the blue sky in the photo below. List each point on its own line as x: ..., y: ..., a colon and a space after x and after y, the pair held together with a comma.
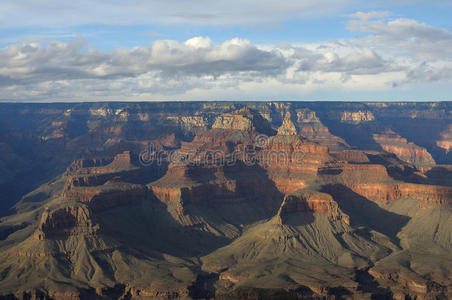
x: 225, y: 50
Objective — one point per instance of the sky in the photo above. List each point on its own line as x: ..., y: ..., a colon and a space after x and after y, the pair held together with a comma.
x: 140, y: 50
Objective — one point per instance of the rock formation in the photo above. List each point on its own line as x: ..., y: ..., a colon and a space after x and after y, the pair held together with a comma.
x: 309, y: 201
x: 71, y: 220
x: 357, y: 116
x: 235, y: 200
x: 314, y: 130
x: 287, y: 127
x: 233, y: 121
x: 407, y: 151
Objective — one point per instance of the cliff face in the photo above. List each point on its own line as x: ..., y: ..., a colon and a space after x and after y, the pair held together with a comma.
x: 214, y: 186
x: 63, y: 222
x: 287, y: 127
x: 406, y: 151
x: 425, y: 195
x: 202, y: 200
x: 103, y: 186
x: 243, y: 119
x: 310, y: 201
x: 233, y: 122
x: 357, y: 116
x: 311, y: 127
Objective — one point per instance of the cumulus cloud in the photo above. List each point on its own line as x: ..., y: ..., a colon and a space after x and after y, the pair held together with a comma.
x: 424, y: 51
x: 394, y: 52
x: 23, y: 63
x: 404, y: 36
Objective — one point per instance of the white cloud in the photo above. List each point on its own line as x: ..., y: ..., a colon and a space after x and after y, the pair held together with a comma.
x: 394, y: 53
x: 403, y: 36
x: 424, y: 51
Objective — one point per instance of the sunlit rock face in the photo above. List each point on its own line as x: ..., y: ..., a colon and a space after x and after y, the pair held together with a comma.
x: 357, y: 116
x: 406, y: 151
x: 287, y: 127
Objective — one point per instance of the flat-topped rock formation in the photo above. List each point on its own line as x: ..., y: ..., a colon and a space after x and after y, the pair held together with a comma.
x: 63, y: 222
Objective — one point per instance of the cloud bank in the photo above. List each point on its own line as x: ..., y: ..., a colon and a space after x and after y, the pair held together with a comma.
x: 389, y: 54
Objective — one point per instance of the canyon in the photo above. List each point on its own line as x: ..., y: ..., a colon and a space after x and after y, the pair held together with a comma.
x: 226, y: 200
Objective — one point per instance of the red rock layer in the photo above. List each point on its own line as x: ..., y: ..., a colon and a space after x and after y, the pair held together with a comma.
x: 406, y: 151
x: 107, y: 196
x: 425, y: 194
x: 121, y: 161
x: 81, y: 164
x: 312, y: 129
x: 185, y: 184
x: 350, y: 173
x: 291, y: 153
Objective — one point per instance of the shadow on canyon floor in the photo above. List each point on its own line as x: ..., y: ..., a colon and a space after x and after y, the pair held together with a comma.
x: 364, y: 212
